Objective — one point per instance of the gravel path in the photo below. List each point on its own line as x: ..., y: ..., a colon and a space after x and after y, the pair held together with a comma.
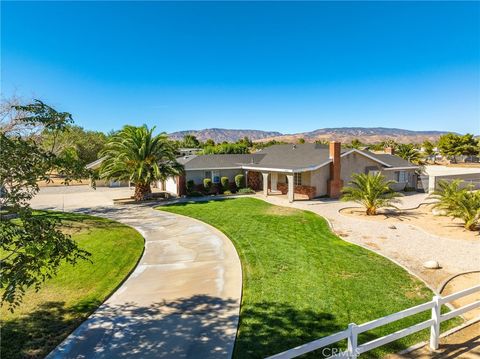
x: 406, y: 244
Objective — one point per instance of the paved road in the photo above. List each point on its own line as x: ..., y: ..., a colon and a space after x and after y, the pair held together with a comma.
x: 181, y: 301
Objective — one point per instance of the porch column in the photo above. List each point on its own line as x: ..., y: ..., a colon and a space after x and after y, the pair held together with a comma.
x: 265, y: 183
x: 274, y: 180
x: 290, y: 188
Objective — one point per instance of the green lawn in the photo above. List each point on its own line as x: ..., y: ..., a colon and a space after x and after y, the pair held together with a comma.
x: 45, y: 318
x: 301, y: 282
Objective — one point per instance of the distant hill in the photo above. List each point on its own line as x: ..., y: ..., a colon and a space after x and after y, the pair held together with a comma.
x: 343, y: 134
x: 364, y: 134
x: 222, y: 134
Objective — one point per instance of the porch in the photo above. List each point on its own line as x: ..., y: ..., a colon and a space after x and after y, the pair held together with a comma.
x: 292, y: 185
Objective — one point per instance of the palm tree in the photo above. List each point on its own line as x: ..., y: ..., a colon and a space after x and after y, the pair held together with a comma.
x: 134, y: 154
x: 457, y: 202
x: 372, y: 191
x: 408, y: 152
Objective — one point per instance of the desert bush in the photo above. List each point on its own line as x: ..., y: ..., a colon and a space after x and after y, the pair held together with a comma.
x: 207, y: 184
x: 225, y: 183
x: 371, y: 191
x: 459, y: 201
x: 240, y: 181
x: 195, y: 194
x: 247, y: 190
x: 190, y: 186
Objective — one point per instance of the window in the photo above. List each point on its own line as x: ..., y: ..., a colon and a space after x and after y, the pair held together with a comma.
x: 297, y: 179
x: 216, y: 176
x: 213, y: 175
x: 401, y: 176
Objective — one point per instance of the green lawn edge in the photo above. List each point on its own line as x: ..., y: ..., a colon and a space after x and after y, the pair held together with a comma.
x: 272, y: 319
x: 47, y: 317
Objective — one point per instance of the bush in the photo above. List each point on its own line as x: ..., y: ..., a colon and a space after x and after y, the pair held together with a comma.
x: 195, y: 194
x: 457, y: 202
x: 227, y: 193
x: 240, y: 181
x: 225, y: 183
x: 207, y: 184
x: 247, y: 190
x: 190, y: 186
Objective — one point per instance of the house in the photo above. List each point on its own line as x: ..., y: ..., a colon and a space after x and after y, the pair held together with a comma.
x: 94, y: 166
x: 302, y: 170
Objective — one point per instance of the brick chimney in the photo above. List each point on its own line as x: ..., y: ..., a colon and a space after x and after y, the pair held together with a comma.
x: 335, y: 183
x: 389, y: 150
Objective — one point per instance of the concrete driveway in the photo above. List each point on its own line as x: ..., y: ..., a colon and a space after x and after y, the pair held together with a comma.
x: 181, y: 301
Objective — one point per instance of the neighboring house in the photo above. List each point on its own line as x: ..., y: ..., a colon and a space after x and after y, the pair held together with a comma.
x: 432, y: 174
x: 302, y: 170
x: 95, y: 165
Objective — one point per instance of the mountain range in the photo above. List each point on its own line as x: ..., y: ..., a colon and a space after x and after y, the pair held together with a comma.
x: 343, y: 134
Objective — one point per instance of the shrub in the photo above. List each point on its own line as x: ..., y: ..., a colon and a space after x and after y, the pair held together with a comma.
x: 457, y: 202
x: 247, y: 190
x: 195, y: 194
x: 207, y: 184
x: 371, y: 191
x: 190, y: 186
x: 227, y: 193
x: 240, y: 181
x: 225, y: 183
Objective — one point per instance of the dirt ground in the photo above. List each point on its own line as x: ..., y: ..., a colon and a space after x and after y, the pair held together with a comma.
x: 464, y: 344
x: 460, y: 283
x: 423, y: 218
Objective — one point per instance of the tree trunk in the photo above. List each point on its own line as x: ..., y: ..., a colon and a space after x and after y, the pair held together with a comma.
x: 371, y: 211
x: 142, y: 190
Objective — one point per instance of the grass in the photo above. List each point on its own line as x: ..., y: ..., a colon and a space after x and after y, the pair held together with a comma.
x: 301, y: 282
x: 46, y: 317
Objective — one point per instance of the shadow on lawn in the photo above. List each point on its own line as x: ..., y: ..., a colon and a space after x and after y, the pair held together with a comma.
x: 268, y: 328
x: 34, y: 334
x: 200, y: 326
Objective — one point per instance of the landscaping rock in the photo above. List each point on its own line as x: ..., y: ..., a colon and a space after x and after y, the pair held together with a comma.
x: 392, y: 227
x: 431, y: 264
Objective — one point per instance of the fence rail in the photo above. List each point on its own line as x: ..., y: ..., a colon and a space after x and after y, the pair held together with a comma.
x: 351, y: 333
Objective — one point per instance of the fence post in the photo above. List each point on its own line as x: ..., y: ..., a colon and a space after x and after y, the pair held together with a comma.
x: 352, y: 341
x: 435, y: 328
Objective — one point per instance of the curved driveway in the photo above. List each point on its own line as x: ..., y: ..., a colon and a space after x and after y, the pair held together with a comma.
x: 182, y: 300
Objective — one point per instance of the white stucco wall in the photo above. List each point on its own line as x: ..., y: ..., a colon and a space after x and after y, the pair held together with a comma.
x: 319, y: 179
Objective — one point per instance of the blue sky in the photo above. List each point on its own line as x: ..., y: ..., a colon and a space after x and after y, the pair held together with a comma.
x: 284, y: 66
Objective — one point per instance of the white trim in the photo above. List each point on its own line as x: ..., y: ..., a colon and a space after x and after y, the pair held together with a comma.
x: 401, y: 168
x: 267, y: 169
x: 213, y: 168
x: 366, y: 155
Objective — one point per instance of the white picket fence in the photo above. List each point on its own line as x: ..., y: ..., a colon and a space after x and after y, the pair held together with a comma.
x: 351, y: 333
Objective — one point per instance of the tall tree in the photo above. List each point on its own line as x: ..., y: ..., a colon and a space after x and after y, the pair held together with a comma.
x: 428, y: 149
x: 75, y: 141
x: 452, y: 145
x: 190, y: 141
x: 136, y: 155
x: 408, y: 152
x: 32, y: 247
